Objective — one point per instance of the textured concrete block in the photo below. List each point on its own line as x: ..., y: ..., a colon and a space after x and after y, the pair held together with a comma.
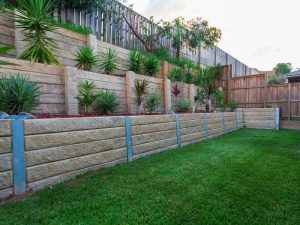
x: 150, y: 128
x: 5, y: 145
x: 138, y: 149
x: 5, y: 162
x: 6, y: 180
x: 5, y: 129
x: 191, y: 137
x: 192, y: 130
x: 142, y: 120
x: 152, y: 137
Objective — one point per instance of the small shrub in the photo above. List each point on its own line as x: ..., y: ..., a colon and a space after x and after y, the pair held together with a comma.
x: 219, y: 98
x: 18, y: 94
x: 73, y: 27
x: 86, y: 58
x: 153, y: 101
x: 136, y: 60
x: 176, y: 74
x: 162, y: 53
x: 151, y: 65
x: 175, y: 90
x: 87, y: 96
x: 108, y: 62
x: 232, y: 105
x: 4, y: 50
x: 276, y: 79
x: 183, y: 106
x: 140, y: 91
x: 106, y: 102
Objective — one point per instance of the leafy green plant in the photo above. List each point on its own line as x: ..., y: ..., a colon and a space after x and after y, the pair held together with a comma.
x: 188, y: 75
x: 207, y: 80
x: 3, y: 51
x: 276, y: 79
x: 176, y: 74
x: 33, y: 17
x: 153, y: 101
x: 106, y: 102
x: 151, y: 65
x: 108, y: 62
x: 86, y: 58
x: 183, y: 106
x: 283, y: 68
x: 232, y: 105
x: 87, y: 96
x: 18, y: 94
x: 219, y: 98
x: 140, y: 92
x: 136, y: 60
x: 73, y: 27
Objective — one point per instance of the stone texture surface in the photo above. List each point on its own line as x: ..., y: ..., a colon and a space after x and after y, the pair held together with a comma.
x: 138, y: 149
x: 5, y: 162
x: 5, y: 145
x: 150, y: 128
x: 152, y: 137
x: 5, y: 129
x: 6, y: 180
x: 34, y: 142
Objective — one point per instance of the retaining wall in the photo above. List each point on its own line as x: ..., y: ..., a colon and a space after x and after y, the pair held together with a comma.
x: 267, y: 118
x: 51, y: 151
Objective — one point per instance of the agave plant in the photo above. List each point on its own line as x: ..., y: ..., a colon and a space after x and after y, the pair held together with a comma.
x: 136, y: 60
x: 107, y: 102
x: 87, y: 96
x: 86, y: 58
x: 151, y: 65
x: 140, y: 91
x: 33, y: 17
x: 18, y: 94
x: 108, y: 62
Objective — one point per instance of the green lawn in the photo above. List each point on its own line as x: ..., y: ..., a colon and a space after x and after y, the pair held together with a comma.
x: 245, y: 177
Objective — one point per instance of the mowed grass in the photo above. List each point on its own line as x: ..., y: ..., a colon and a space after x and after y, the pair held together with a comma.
x: 246, y: 177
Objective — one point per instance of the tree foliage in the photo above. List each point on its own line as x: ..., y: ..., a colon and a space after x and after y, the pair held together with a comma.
x: 283, y: 68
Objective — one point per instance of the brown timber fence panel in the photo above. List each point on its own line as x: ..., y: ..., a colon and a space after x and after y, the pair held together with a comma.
x: 253, y: 92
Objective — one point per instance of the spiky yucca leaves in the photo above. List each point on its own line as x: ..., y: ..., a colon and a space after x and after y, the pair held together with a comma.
x: 183, y: 106
x: 33, y: 17
x: 18, y: 94
x: 140, y: 92
x: 107, y: 102
x: 86, y: 58
x: 136, y: 60
x: 151, y: 65
x: 87, y: 96
x: 108, y: 62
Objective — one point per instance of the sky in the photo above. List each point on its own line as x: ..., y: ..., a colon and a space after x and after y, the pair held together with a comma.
x: 260, y: 33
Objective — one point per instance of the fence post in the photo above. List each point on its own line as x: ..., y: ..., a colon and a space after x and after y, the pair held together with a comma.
x: 178, y: 131
x: 289, y: 102
x: 206, y: 126
x: 71, y: 91
x: 277, y: 119
x: 128, y: 138
x: 129, y: 85
x: 19, y: 171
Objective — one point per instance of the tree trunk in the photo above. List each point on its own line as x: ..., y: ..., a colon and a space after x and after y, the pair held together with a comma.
x: 177, y: 53
x: 206, y: 105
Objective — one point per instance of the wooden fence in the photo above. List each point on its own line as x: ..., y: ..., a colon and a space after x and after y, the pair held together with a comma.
x: 254, y: 92
x: 109, y: 26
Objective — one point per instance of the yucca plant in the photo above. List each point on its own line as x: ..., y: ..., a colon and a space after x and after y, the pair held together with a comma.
x: 33, y: 17
x: 153, y: 101
x: 18, y: 94
x: 140, y: 92
x: 136, y: 60
x: 87, y: 96
x: 107, y: 102
x: 86, y: 58
x: 151, y: 65
x: 108, y: 62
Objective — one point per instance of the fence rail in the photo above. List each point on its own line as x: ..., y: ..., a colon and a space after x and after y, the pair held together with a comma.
x: 254, y: 91
x: 110, y: 27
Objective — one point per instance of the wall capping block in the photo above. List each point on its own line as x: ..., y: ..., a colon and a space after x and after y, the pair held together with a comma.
x: 19, y: 156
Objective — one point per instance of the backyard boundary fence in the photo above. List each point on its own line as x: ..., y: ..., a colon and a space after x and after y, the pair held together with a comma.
x: 35, y: 154
x: 105, y: 33
x: 254, y: 91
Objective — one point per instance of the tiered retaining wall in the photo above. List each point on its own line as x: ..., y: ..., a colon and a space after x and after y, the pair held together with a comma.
x: 267, y: 118
x: 50, y: 151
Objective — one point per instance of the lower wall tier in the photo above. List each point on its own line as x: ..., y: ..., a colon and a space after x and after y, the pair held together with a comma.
x: 55, y: 150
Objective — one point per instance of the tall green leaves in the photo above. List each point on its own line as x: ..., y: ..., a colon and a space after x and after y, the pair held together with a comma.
x: 108, y: 62
x: 87, y: 95
x: 3, y: 51
x: 33, y: 17
x: 86, y: 58
x: 18, y: 94
x: 151, y: 65
x: 140, y: 91
x: 107, y: 102
x: 136, y: 60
